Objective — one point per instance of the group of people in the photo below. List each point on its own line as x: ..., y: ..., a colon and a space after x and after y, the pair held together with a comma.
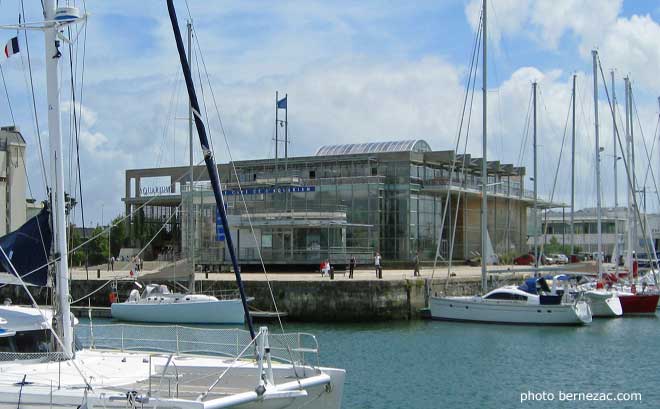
x: 326, y: 267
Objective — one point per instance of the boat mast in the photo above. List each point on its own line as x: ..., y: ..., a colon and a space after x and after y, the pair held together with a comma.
x: 629, y: 259
x: 617, y: 248
x: 573, y: 172
x: 52, y: 55
x: 484, y: 164
x: 211, y: 166
x: 191, y: 212
x: 594, y: 54
x: 535, y: 212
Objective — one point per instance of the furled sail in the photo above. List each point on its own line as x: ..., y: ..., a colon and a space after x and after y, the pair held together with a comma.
x: 28, y: 250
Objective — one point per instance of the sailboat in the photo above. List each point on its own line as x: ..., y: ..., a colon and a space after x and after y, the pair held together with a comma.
x: 246, y: 373
x: 159, y: 304
x: 527, y: 304
x: 632, y: 301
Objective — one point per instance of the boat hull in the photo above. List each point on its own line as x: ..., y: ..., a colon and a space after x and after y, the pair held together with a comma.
x: 199, y: 312
x: 635, y: 304
x: 473, y: 309
x: 604, y: 304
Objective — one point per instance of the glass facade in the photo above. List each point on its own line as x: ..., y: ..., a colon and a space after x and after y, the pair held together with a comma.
x: 349, y: 200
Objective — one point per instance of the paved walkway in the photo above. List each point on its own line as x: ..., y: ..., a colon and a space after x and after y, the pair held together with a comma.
x: 360, y: 274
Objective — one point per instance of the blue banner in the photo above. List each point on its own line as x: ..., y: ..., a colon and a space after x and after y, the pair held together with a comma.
x: 219, y: 229
x: 269, y: 190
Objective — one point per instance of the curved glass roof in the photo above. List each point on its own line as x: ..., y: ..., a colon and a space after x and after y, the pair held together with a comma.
x: 413, y: 145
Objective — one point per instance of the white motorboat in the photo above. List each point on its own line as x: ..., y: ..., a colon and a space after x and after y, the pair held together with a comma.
x: 511, y: 305
x: 158, y: 304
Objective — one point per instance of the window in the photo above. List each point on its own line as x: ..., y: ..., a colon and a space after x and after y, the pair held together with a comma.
x: 374, y: 171
x: 507, y: 296
x: 312, y: 174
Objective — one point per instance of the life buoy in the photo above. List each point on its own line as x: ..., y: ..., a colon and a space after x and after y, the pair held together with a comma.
x: 113, y: 297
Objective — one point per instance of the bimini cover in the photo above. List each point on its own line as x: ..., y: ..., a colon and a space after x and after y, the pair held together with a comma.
x: 28, y: 250
x: 531, y: 285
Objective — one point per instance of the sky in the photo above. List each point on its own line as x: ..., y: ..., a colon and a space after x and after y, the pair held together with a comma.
x: 353, y: 72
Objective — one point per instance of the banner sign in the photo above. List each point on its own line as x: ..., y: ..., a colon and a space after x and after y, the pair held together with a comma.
x: 269, y: 190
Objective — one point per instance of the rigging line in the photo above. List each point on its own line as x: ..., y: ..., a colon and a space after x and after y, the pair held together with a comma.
x: 105, y: 231
x: 201, y: 87
x: 176, y: 82
x: 11, y: 112
x: 44, y: 174
x: 472, y: 74
x: 525, y: 135
x: 240, y: 189
x: 462, y: 173
x: 561, y: 151
x: 134, y: 258
x: 648, y: 155
x: 76, y: 131
x: 629, y: 175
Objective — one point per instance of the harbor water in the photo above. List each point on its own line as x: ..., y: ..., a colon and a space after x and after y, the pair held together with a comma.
x: 432, y: 364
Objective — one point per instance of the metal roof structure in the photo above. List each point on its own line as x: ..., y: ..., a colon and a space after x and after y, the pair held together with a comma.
x: 412, y: 145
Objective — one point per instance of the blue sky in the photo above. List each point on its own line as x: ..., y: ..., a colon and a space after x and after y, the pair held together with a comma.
x: 354, y: 71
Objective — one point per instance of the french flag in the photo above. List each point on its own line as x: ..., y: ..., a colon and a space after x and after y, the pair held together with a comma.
x: 12, y: 47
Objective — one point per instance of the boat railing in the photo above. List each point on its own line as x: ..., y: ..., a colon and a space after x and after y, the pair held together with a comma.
x: 297, y: 348
x: 7, y: 356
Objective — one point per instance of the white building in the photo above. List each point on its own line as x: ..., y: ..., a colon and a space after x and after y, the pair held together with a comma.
x: 613, y: 225
x: 12, y: 179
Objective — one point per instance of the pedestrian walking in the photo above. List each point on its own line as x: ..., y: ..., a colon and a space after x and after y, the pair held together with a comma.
x: 351, y: 266
x: 112, y: 263
x: 416, y: 264
x: 378, y: 265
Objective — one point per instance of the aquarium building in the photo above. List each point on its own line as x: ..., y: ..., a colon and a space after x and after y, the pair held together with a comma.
x: 344, y: 200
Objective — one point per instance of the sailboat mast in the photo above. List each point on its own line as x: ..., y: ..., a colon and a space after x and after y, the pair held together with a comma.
x: 594, y: 54
x: 573, y: 171
x: 616, y: 174
x: 535, y: 212
x: 63, y: 316
x: 628, y: 159
x: 211, y: 167
x: 191, y: 212
x: 484, y: 163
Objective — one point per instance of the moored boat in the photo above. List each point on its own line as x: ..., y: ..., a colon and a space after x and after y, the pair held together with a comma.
x: 158, y: 304
x: 511, y: 305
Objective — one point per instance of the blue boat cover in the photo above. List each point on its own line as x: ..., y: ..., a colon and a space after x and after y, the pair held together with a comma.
x: 529, y: 286
x: 28, y: 248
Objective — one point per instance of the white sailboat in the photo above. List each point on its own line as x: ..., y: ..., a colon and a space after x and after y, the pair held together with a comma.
x: 158, y: 304
x: 244, y: 369
x: 507, y: 304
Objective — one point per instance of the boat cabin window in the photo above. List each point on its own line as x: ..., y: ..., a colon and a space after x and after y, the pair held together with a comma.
x: 26, y: 341
x: 506, y: 296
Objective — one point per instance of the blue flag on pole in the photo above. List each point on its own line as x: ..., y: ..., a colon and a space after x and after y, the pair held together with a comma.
x: 281, y: 104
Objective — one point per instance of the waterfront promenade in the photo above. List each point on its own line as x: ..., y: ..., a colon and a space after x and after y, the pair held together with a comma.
x: 361, y: 274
